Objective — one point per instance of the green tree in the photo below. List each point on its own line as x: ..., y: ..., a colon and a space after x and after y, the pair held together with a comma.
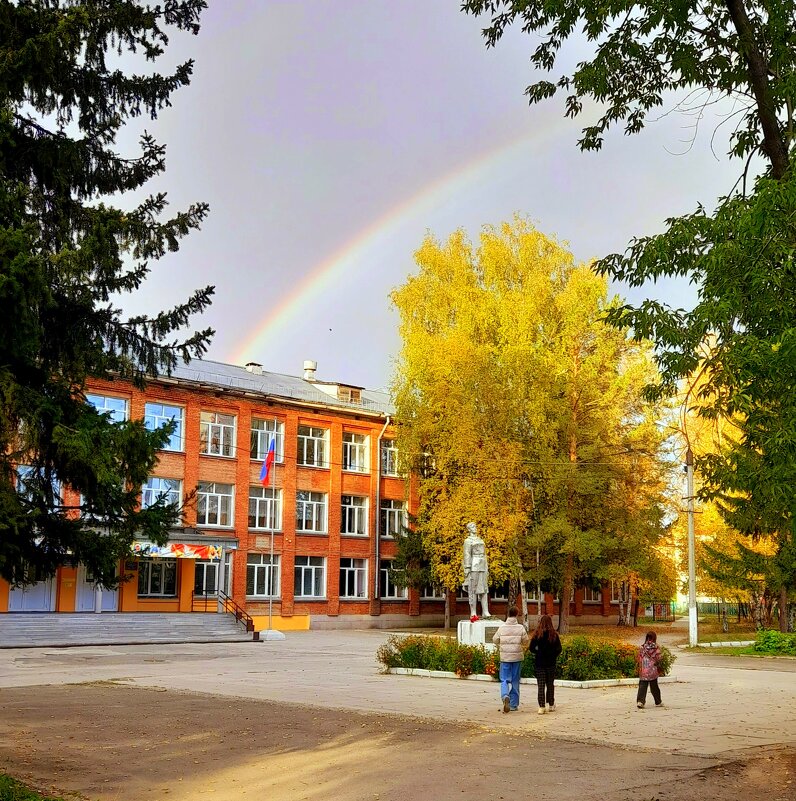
x: 66, y: 256
x: 740, y: 257
x: 522, y: 411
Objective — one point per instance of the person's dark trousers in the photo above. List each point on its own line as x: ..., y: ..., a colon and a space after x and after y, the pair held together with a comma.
x: 544, y: 682
x: 654, y: 689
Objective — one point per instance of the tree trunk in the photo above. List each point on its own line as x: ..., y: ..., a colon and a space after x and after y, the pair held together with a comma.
x: 514, y: 591
x: 757, y: 68
x: 566, y: 592
x: 447, y: 609
x: 783, y: 609
x: 525, y: 603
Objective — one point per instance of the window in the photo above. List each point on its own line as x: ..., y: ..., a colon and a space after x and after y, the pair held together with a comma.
x: 591, y: 596
x: 310, y: 577
x: 311, y: 512
x: 265, y: 508
x: 170, y: 489
x: 261, y: 434
x: 501, y: 592
x: 353, y: 578
x: 214, y: 504
x: 157, y: 415
x: 30, y: 485
x: 312, y: 446
x: 355, y: 452
x: 262, y: 577
x: 432, y: 593
x: 616, y: 592
x: 389, y: 589
x: 389, y: 457
x: 354, y: 517
x: 157, y: 577
x: 393, y: 518
x: 205, y: 581
x: 116, y: 407
x: 217, y: 434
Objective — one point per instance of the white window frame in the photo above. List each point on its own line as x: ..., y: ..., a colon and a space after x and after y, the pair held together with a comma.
x: 265, y: 503
x: 313, y: 447
x: 354, y: 509
x: 262, y: 574
x: 353, y: 573
x: 311, y: 507
x: 209, y: 494
x: 503, y: 587
x: 110, y: 404
x: 616, y: 592
x: 388, y: 589
x: 201, y: 567
x: 591, y: 596
x: 315, y: 568
x: 157, y: 414
x: 152, y: 566
x: 217, y: 434
x: 430, y: 592
x: 156, y: 486
x: 356, y: 452
x: 260, y: 438
x: 392, y: 518
x: 389, y: 458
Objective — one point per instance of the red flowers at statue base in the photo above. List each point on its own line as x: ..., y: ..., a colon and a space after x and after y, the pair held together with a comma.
x: 473, y: 618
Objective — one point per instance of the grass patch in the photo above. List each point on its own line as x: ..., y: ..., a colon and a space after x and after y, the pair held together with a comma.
x: 12, y: 790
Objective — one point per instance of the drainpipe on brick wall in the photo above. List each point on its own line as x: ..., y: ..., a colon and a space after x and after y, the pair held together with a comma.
x: 377, y: 571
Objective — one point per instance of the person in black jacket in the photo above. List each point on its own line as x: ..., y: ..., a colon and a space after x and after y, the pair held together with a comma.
x: 545, y: 647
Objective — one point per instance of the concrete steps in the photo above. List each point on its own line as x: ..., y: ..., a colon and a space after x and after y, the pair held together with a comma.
x: 43, y: 629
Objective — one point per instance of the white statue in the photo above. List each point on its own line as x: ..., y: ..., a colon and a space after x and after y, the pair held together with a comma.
x: 476, y: 571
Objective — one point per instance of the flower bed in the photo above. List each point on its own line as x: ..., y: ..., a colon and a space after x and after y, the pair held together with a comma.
x: 582, y: 659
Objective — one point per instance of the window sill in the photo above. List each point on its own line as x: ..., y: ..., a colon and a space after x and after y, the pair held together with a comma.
x: 355, y: 536
x: 313, y: 466
x: 265, y: 531
x: 215, y: 526
x: 256, y: 598
x: 352, y: 472
x: 354, y: 598
x: 313, y: 533
x: 172, y: 450
x: 312, y: 598
x: 217, y: 456
x: 393, y: 599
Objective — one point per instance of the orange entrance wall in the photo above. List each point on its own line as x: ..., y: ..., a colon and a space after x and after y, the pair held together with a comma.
x: 128, y: 592
x: 5, y: 590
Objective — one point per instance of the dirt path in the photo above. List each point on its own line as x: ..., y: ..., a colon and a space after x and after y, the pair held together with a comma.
x: 110, y: 742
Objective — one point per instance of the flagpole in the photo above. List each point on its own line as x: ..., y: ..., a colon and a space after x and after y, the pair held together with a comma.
x: 273, y: 526
x: 271, y: 634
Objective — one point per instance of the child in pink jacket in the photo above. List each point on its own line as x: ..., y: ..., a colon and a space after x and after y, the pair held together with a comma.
x: 649, y: 658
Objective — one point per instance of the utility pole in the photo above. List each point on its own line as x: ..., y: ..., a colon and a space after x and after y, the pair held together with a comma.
x: 692, y: 606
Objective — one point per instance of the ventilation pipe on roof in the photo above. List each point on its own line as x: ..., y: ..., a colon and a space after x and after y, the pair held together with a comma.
x: 309, y: 369
x: 254, y: 367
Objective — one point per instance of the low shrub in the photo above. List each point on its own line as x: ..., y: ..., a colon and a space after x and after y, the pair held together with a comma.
x: 775, y: 642
x: 582, y: 658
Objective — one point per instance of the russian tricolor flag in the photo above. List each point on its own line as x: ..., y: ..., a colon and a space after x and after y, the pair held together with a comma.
x: 269, y: 462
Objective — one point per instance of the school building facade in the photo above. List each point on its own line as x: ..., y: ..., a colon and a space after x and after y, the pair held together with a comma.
x: 314, y: 546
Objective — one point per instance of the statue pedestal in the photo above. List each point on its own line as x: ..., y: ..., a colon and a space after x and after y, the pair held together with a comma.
x: 478, y: 633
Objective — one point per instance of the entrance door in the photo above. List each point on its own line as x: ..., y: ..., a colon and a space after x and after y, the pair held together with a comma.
x: 87, y: 591
x: 37, y: 597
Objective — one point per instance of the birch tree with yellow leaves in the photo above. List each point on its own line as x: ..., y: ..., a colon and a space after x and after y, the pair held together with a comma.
x: 522, y: 411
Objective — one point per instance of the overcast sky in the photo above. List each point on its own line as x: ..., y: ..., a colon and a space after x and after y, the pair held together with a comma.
x: 328, y: 136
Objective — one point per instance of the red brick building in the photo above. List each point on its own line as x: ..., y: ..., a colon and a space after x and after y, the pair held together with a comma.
x: 315, y: 544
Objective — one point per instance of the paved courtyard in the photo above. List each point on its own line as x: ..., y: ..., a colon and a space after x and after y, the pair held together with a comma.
x: 718, y: 710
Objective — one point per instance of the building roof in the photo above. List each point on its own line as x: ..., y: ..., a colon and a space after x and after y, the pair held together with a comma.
x: 230, y: 377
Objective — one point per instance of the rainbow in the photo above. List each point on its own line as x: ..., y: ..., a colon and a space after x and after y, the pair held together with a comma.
x: 353, y: 253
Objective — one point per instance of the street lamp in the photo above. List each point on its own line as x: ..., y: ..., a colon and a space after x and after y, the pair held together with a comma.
x: 692, y: 607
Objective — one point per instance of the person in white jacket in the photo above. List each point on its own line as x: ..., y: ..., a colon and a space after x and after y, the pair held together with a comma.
x: 512, y: 639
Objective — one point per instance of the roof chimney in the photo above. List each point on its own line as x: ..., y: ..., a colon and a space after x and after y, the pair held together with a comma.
x: 309, y: 369
x: 254, y: 367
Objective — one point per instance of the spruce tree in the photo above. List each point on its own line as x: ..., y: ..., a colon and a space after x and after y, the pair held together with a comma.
x: 67, y: 254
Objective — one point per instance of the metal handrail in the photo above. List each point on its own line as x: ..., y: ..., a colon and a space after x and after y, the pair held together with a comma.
x: 231, y: 606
